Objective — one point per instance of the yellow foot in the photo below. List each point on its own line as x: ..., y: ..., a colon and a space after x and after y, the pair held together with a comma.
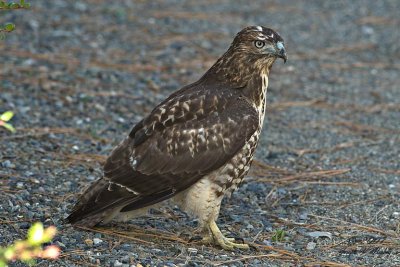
x: 219, y: 239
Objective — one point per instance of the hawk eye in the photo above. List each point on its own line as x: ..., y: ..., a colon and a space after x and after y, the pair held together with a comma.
x: 259, y: 44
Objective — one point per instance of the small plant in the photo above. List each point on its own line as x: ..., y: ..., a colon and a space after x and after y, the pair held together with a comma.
x: 13, y: 5
x: 6, y: 116
x: 28, y: 250
x: 9, y: 27
x: 279, y: 235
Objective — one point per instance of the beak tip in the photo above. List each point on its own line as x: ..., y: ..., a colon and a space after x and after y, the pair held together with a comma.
x: 282, y: 54
x: 283, y: 57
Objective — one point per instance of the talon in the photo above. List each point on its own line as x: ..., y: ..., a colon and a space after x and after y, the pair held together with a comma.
x: 222, y: 241
x: 239, y: 239
x: 207, y: 240
x: 195, y: 238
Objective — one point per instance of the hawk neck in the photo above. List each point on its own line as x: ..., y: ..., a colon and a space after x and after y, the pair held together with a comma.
x: 242, y: 71
x: 237, y: 70
x: 256, y: 90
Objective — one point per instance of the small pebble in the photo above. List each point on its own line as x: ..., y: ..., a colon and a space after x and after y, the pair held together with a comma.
x: 192, y: 251
x: 89, y: 242
x: 311, y: 245
x: 97, y: 241
x: 249, y: 226
x: 24, y: 225
x: 303, y: 216
x: 62, y: 245
x: 267, y: 242
x: 319, y: 234
x: 8, y: 164
x: 117, y: 263
x: 223, y: 257
x: 156, y: 250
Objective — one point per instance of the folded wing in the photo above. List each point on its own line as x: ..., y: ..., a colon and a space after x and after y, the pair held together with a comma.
x: 184, y: 138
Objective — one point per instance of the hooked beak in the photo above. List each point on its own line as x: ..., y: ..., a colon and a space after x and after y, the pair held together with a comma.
x: 280, y: 51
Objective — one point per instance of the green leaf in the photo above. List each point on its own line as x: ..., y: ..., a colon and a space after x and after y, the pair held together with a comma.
x: 9, y: 253
x: 13, y: 5
x: 279, y: 235
x: 23, y: 4
x: 9, y: 27
x: 2, y: 4
x: 35, y: 234
x: 9, y: 127
x: 30, y: 262
x: 49, y: 233
x: 6, y: 116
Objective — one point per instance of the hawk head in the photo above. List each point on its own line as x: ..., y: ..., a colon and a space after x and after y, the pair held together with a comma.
x: 259, y: 42
x: 252, y: 52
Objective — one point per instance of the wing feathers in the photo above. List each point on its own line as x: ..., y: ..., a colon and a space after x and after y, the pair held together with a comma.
x: 183, y: 139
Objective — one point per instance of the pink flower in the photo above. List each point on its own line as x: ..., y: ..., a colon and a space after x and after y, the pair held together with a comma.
x: 51, y: 252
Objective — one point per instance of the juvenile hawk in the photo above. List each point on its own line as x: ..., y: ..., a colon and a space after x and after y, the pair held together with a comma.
x: 195, y: 147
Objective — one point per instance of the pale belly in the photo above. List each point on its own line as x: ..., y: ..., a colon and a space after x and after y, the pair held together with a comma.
x: 203, y: 199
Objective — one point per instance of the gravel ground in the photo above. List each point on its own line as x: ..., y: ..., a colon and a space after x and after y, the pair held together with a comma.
x: 78, y: 74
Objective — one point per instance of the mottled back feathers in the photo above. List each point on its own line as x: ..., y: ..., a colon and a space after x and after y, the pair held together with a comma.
x: 181, y: 140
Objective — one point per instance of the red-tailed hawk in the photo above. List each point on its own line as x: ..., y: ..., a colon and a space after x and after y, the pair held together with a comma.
x: 195, y: 147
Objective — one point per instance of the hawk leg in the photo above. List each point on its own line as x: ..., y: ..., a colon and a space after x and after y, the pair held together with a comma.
x: 217, y: 238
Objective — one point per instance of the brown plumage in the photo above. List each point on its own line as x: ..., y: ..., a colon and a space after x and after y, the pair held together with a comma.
x: 195, y: 146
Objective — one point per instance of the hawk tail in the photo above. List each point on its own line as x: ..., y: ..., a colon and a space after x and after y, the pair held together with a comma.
x: 91, y: 209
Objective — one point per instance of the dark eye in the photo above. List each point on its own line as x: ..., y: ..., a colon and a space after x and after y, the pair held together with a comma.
x: 259, y: 44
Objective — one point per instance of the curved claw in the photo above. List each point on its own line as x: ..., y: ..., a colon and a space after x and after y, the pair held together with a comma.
x: 219, y: 239
x: 196, y: 238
